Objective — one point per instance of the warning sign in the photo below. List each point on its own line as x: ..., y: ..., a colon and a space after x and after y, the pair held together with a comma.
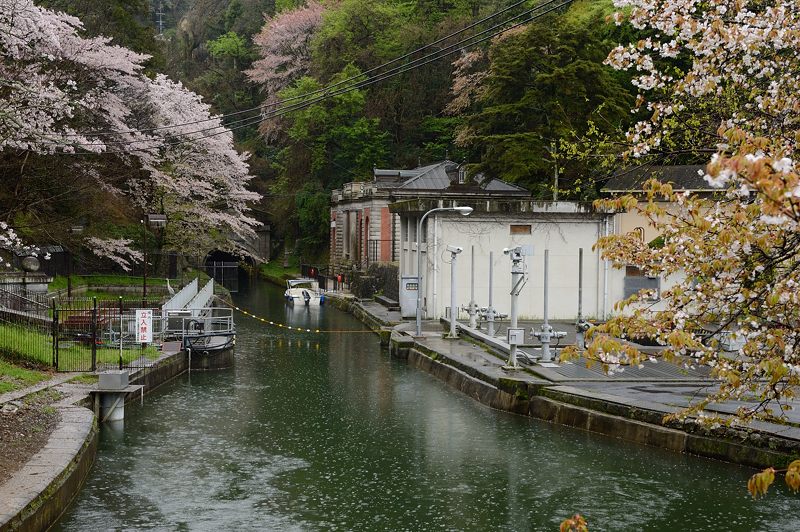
x: 144, y: 326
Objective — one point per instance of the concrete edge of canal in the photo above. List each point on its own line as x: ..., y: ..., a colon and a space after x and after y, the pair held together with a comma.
x: 755, y: 446
x: 36, y: 496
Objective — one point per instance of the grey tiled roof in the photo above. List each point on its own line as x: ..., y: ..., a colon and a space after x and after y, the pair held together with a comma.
x: 439, y: 176
x: 682, y: 177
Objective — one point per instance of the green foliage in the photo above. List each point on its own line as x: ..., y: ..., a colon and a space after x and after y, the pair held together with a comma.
x: 336, y: 140
x: 546, y: 85
x: 14, y: 377
x: 364, y: 33
x: 85, y: 378
x: 313, y: 215
x: 228, y: 46
x: 275, y: 272
x: 286, y: 5
x: 37, y: 346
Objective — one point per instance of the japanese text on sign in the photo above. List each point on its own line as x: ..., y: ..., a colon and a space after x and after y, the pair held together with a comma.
x: 144, y: 326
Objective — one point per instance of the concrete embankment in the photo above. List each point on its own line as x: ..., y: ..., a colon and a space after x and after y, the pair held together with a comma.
x: 36, y: 496
x: 632, y: 407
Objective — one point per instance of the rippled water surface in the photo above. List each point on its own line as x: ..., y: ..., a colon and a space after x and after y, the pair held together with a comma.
x: 326, y: 432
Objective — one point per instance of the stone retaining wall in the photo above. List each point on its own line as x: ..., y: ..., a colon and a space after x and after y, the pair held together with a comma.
x: 629, y: 422
x: 38, y: 494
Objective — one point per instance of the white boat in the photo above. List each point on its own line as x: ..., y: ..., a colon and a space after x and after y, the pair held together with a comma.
x: 303, y: 292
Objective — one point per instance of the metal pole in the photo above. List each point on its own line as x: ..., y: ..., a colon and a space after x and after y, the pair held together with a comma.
x: 580, y: 284
x: 120, y: 332
x: 464, y: 211
x: 55, y: 334
x: 453, y: 310
x: 546, y: 329
x: 517, y: 274
x: 419, y: 275
x: 580, y: 326
x: 473, y: 314
x: 555, y: 174
x: 144, y: 252
x: 490, y: 309
x: 94, y: 334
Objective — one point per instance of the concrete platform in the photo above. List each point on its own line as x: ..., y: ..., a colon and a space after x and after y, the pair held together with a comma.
x: 629, y: 404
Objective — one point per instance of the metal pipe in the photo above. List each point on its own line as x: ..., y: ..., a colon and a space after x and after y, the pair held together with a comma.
x: 605, y: 275
x: 466, y: 211
x: 490, y: 309
x: 546, y: 263
x: 473, y: 315
x: 453, y: 310
x: 580, y: 284
x: 546, y: 331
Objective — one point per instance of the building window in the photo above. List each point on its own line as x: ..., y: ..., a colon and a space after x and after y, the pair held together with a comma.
x: 520, y: 229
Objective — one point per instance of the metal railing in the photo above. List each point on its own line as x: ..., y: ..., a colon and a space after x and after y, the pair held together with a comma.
x: 212, y: 320
x: 89, y: 334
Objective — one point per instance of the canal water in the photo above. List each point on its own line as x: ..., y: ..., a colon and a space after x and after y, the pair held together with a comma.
x: 326, y: 432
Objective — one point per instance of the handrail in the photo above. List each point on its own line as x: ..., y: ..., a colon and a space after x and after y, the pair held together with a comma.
x: 19, y: 297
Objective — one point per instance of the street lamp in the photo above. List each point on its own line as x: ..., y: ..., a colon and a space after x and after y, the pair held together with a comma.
x: 464, y: 211
x: 150, y: 220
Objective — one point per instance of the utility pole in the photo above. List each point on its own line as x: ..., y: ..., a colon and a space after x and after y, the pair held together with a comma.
x: 555, y: 171
x: 160, y: 15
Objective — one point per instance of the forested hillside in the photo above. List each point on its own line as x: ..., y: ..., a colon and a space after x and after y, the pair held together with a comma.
x: 521, y: 104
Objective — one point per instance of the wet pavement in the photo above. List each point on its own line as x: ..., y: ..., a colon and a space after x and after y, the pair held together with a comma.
x: 656, y: 385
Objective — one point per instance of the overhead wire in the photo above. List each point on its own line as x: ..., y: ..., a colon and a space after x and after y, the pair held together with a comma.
x: 417, y: 63
x: 323, y: 89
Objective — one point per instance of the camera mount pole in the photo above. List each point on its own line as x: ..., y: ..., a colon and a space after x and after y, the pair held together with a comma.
x: 517, y: 282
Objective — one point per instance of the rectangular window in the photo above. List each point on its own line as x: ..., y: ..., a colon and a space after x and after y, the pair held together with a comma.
x: 520, y: 229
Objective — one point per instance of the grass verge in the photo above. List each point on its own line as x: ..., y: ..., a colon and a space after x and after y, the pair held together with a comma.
x: 14, y: 377
x: 274, y: 271
x: 73, y: 355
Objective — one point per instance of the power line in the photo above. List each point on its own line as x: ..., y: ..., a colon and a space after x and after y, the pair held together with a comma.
x: 280, y: 111
x: 323, y: 89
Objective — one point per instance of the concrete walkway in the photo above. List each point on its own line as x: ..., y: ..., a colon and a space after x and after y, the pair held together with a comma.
x: 51, y: 477
x: 16, y: 395
x: 659, y: 387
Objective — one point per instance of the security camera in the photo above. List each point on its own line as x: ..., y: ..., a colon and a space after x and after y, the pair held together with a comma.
x: 455, y: 249
x: 514, y: 253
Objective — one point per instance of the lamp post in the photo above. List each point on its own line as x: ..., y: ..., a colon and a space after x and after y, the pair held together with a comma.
x: 464, y: 211
x: 150, y: 220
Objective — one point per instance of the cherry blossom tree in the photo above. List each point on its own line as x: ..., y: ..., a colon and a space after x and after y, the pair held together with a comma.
x: 723, y: 76
x: 284, y: 44
x: 720, y: 78
x: 53, y: 79
x: 117, y: 250
x: 198, y: 179
x: 63, y: 93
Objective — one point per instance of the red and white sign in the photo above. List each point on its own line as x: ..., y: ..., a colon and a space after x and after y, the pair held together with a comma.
x: 144, y: 326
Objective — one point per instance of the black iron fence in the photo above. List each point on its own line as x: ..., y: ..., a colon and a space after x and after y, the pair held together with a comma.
x: 79, y: 334
x: 224, y: 273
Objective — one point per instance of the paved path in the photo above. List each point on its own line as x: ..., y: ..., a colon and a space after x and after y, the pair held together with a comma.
x: 659, y: 386
x: 16, y: 395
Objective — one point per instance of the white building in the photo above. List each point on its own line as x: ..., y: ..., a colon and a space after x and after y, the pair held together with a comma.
x: 563, y: 228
